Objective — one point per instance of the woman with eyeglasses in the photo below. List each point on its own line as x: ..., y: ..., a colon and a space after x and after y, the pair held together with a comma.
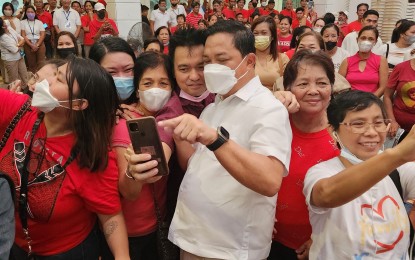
x: 355, y: 209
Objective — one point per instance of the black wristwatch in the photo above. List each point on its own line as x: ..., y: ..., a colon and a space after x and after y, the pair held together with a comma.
x: 223, y: 137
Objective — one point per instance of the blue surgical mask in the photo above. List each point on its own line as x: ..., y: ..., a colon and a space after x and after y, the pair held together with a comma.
x: 125, y: 86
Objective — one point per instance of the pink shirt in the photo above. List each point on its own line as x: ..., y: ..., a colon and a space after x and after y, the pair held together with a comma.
x: 140, y: 215
x: 368, y: 80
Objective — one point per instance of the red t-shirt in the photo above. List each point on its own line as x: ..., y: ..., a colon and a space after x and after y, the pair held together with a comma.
x: 193, y: 19
x: 245, y: 13
x: 293, y: 225
x: 140, y: 215
x: 85, y: 21
x: 265, y: 11
x: 290, y: 53
x: 63, y: 204
x: 229, y: 14
x: 46, y: 18
x: 284, y: 43
x: 344, y: 30
x: 296, y: 23
x: 289, y: 13
x: 402, y: 80
x: 354, y: 26
x: 94, y: 26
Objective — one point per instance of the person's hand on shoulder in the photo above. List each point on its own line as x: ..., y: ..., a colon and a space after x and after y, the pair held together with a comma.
x: 288, y: 99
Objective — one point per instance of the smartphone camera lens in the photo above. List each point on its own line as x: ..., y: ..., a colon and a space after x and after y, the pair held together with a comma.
x: 133, y: 127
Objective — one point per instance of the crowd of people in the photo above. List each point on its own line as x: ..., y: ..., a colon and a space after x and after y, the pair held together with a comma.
x: 272, y: 123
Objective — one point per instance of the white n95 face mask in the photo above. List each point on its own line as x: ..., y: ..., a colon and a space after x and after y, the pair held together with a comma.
x: 42, y: 98
x: 365, y: 46
x: 154, y: 99
x: 220, y: 79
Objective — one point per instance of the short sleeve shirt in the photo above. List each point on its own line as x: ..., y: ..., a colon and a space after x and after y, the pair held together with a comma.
x: 67, y: 20
x: 216, y: 216
x: 374, y: 225
x: 32, y: 29
x: 175, y: 12
x: 160, y: 19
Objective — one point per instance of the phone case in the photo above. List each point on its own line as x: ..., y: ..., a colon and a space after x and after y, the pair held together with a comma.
x: 145, y: 139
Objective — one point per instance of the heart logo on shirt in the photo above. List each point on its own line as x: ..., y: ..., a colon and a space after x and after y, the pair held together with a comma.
x: 384, y: 247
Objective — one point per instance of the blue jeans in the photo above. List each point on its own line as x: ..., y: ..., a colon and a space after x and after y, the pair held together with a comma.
x: 86, y: 250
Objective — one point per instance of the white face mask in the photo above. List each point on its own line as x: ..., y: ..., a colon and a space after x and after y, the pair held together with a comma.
x: 8, y: 12
x: 365, y: 46
x: 410, y: 39
x: 220, y: 79
x: 154, y: 99
x: 43, y: 99
x: 317, y: 29
x: 263, y: 4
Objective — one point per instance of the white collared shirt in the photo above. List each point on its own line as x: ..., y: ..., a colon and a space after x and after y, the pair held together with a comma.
x: 175, y: 12
x: 160, y: 19
x: 216, y: 216
x: 66, y: 20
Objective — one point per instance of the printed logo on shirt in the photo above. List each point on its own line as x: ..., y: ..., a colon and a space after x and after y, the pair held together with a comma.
x: 45, y: 177
x: 383, y: 222
x: 408, y: 94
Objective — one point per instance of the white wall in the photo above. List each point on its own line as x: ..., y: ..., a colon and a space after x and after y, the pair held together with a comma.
x: 125, y: 13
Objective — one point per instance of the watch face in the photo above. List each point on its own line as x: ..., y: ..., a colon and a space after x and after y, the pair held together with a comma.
x: 222, y: 131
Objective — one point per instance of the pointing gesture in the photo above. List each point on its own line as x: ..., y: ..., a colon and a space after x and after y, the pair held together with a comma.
x: 189, y: 128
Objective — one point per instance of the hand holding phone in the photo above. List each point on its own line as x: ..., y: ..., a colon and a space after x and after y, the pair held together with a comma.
x: 145, y: 140
x: 140, y: 167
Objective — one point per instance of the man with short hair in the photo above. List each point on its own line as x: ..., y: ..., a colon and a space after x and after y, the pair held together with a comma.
x: 370, y: 18
x: 300, y: 19
x: 241, y: 151
x: 240, y: 4
x: 269, y: 8
x: 288, y: 10
x: 47, y: 20
x: 229, y: 11
x: 67, y: 19
x: 80, y: 40
x: 194, y: 17
x: 186, y: 52
x: 160, y: 17
x: 355, y: 26
x: 52, y: 6
x: 174, y: 11
x: 343, y: 26
x: 144, y: 13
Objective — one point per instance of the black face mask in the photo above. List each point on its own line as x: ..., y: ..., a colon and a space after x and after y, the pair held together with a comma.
x: 101, y: 15
x: 254, y: 4
x: 65, y: 52
x: 330, y: 45
x: 174, y: 4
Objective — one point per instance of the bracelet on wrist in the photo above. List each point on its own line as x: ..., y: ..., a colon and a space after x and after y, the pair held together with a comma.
x: 129, y: 175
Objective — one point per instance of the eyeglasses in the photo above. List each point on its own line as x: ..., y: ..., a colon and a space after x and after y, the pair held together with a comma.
x: 360, y: 126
